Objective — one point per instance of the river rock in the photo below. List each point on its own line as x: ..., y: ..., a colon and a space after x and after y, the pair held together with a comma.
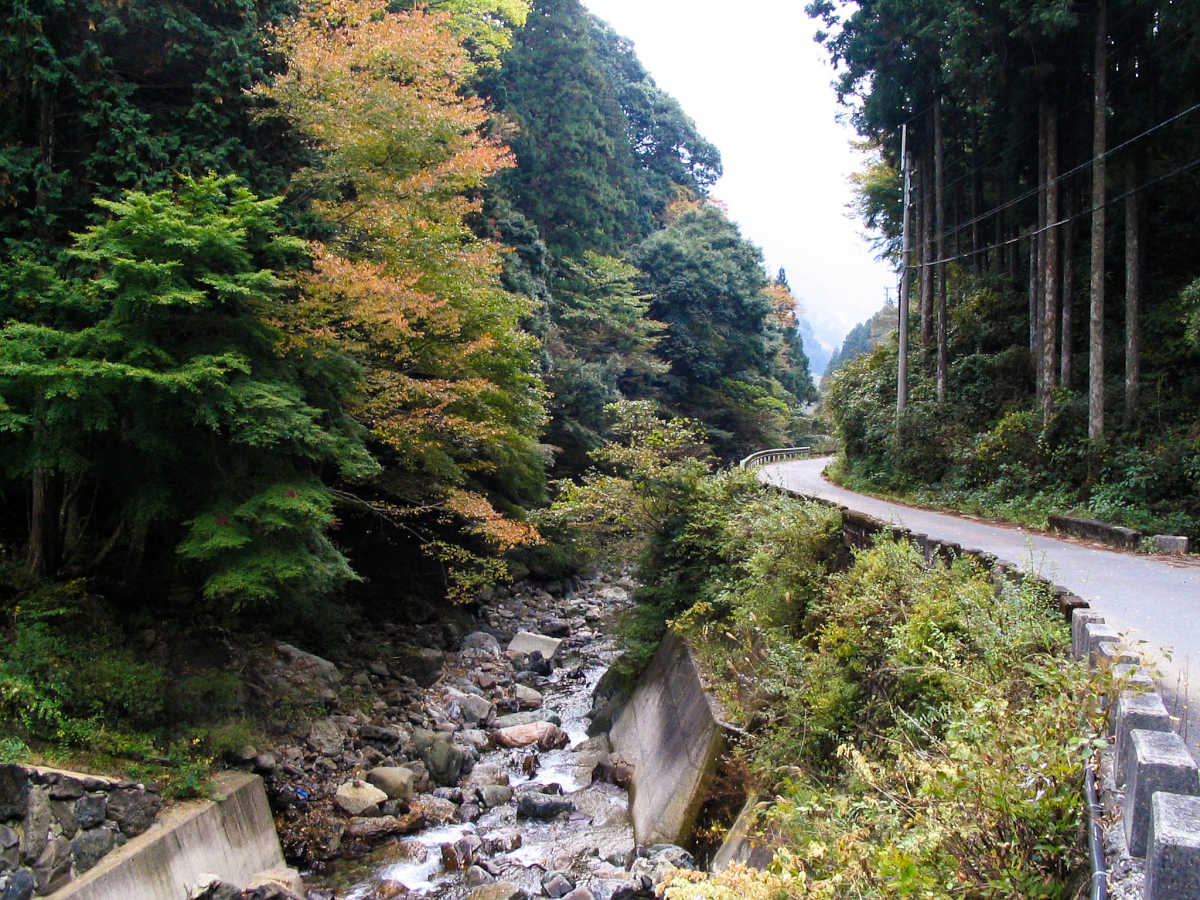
x: 502, y: 842
x: 477, y: 875
x: 422, y: 664
x: 369, y: 829
x: 265, y: 763
x: 325, y: 738
x: 545, y: 735
x: 90, y: 846
x: 357, y: 798
x: 536, y: 805
x: 555, y: 628
x: 461, y: 854
x: 475, y: 738
x: 409, y: 850
x: 433, y: 810
x: 481, y: 642
x: 527, y: 697
x: 133, y: 809
x: 395, y: 781
x: 556, y: 884
x: 501, y: 890
x: 528, y: 642
x: 390, y: 890
x: 288, y: 879
x: 387, y: 737
x: 524, y: 718
x: 447, y: 761
x: 491, y: 795
x: 473, y: 709
x: 295, y: 675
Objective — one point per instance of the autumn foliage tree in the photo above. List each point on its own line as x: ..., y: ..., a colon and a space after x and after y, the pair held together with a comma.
x: 451, y: 393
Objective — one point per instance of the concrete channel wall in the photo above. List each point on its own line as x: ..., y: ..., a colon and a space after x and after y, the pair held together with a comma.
x: 231, y: 836
x: 1157, y: 783
x: 670, y: 729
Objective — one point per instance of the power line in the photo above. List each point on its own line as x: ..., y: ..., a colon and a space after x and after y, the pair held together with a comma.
x: 1085, y: 212
x: 1008, y: 204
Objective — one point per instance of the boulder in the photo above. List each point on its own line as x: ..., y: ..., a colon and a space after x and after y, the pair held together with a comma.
x: 477, y: 875
x: 325, y: 737
x: 294, y: 675
x: 501, y: 890
x: 527, y: 697
x: 461, y: 854
x: 39, y: 819
x: 502, y: 842
x: 133, y: 809
x: 447, y: 761
x: 14, y: 791
x: 481, y: 642
x: 536, y: 805
x: 473, y: 709
x: 545, y: 735
x: 89, y: 847
x: 53, y: 866
x: 91, y: 810
x: 524, y: 718
x: 556, y: 885
x: 63, y: 786
x: 18, y: 885
x: 491, y: 795
x: 10, y: 849
x: 434, y: 810
x: 288, y: 879
x: 555, y: 628
x: 387, y: 737
x: 368, y: 830
x: 528, y: 642
x: 395, y: 781
x: 357, y: 798
x: 422, y: 664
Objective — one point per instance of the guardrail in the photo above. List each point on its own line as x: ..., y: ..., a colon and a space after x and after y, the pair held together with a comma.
x: 780, y: 454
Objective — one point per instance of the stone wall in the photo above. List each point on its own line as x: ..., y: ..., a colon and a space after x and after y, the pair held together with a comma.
x: 56, y: 825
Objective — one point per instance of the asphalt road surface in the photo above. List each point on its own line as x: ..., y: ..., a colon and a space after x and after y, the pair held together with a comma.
x: 1150, y: 599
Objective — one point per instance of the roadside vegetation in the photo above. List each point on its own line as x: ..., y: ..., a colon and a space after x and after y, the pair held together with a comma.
x: 911, y: 729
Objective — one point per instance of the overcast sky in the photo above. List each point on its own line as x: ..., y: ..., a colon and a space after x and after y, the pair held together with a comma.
x: 759, y: 88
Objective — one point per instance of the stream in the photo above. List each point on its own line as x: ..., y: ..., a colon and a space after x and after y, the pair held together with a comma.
x: 533, y: 818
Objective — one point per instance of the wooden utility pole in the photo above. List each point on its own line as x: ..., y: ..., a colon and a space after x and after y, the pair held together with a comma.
x: 906, y: 245
x: 1099, y: 198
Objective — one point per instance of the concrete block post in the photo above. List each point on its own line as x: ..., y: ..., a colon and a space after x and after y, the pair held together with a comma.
x: 1109, y: 654
x: 1080, y: 618
x: 1146, y: 712
x: 1157, y: 761
x: 1132, y: 678
x: 1173, y: 848
x: 1095, y: 634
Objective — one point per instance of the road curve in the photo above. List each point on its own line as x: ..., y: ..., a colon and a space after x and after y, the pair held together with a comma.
x: 1155, y: 599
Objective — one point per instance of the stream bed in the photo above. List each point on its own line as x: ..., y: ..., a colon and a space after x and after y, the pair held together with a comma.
x: 543, y: 818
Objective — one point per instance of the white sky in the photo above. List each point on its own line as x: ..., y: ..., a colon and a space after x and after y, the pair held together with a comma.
x: 759, y: 88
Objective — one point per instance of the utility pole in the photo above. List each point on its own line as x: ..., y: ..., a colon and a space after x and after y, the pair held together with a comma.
x: 906, y: 243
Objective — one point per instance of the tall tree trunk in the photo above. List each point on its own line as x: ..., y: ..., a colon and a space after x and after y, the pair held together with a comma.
x: 1050, y: 267
x: 1133, y: 285
x: 905, y: 286
x: 1068, y: 296
x: 978, y: 262
x: 939, y: 203
x: 1037, y: 261
x: 927, y: 253
x: 43, y: 523
x: 1035, y: 332
x: 1099, y: 147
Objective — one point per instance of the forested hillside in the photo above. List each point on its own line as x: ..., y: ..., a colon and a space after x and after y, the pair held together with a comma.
x: 1053, y: 183
x: 304, y: 303
x: 863, y: 338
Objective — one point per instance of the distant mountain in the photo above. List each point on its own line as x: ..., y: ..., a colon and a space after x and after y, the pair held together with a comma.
x: 817, y: 351
x: 862, y: 338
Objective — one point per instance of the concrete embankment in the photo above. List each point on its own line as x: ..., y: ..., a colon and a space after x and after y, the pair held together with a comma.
x: 671, y: 731
x: 232, y: 836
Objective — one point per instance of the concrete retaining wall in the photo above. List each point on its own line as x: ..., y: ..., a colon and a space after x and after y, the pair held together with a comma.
x: 231, y: 836
x: 672, y: 733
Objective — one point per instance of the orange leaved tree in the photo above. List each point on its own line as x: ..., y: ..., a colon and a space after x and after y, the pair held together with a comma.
x: 451, y: 391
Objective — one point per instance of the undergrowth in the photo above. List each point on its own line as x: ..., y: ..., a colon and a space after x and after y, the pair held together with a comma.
x: 916, y: 731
